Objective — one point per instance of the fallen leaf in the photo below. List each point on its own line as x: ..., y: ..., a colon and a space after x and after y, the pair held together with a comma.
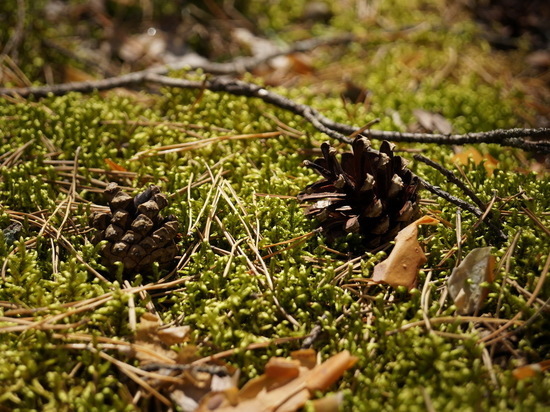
x: 328, y: 372
x: 286, y: 386
x: 175, y: 376
x: 462, y: 157
x: 330, y: 403
x: 307, y: 357
x: 401, y: 266
x: 174, y: 335
x: 147, y: 338
x: 528, y: 371
x: 282, y: 368
x: 465, y: 281
x: 433, y: 122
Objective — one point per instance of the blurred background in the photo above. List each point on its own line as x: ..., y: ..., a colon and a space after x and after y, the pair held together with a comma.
x: 408, y: 44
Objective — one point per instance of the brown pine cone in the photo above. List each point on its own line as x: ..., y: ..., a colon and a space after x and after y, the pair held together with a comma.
x: 368, y: 191
x: 135, y: 232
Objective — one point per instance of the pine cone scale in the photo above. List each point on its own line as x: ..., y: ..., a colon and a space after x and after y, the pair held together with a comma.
x: 135, y: 233
x: 367, y: 191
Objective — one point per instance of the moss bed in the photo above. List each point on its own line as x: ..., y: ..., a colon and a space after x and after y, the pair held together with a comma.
x: 243, y: 189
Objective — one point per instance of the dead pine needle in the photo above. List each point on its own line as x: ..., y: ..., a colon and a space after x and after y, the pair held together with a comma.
x: 198, y: 144
x: 425, y: 299
x: 491, y: 337
x: 130, y: 371
x: 294, y: 242
x: 252, y: 346
x: 453, y: 319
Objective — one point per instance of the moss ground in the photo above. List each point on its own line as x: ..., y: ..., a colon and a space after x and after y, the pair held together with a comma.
x: 242, y: 191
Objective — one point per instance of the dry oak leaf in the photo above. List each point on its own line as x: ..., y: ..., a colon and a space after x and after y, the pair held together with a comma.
x: 286, y: 386
x: 155, y: 340
x: 465, y: 282
x: 528, y: 371
x: 401, y: 266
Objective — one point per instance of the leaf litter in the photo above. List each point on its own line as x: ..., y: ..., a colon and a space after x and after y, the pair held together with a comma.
x: 467, y: 283
x: 168, y: 372
x: 401, y: 266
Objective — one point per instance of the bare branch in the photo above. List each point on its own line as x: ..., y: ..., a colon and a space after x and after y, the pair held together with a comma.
x: 436, y: 190
x: 504, y: 137
x: 512, y: 137
x: 452, y: 178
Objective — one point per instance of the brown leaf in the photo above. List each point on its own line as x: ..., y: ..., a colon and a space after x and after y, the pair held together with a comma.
x: 328, y: 372
x: 174, y: 374
x: 282, y: 368
x: 465, y: 281
x: 173, y: 335
x: 285, y: 387
x: 528, y: 371
x: 153, y: 349
x: 401, y: 266
x: 330, y: 403
x: 306, y: 357
x: 462, y: 157
x: 433, y: 122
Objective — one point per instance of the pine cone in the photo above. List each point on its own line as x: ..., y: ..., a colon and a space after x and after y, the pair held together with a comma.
x: 368, y: 192
x: 135, y: 232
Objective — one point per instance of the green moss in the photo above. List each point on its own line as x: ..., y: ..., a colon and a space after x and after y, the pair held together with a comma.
x: 226, y: 302
x: 248, y: 184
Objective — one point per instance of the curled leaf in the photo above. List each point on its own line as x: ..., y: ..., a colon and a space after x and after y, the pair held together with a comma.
x: 328, y: 372
x: 465, y: 282
x: 401, y: 266
x: 282, y: 368
x: 286, y: 386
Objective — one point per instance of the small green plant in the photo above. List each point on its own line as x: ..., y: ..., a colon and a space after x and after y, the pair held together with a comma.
x: 254, y: 276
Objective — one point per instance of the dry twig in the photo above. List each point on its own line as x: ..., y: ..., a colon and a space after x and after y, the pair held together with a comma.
x: 513, y: 137
x: 494, y: 336
x: 452, y: 178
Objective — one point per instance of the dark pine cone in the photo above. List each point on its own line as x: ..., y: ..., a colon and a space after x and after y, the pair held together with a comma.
x: 135, y: 232
x: 368, y: 192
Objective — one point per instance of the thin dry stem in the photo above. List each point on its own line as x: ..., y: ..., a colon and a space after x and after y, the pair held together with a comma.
x: 536, y: 220
x: 199, y: 144
x: 252, y: 346
x: 131, y: 372
x: 425, y: 300
x: 507, y: 258
x: 453, y: 319
x: 490, y: 338
x: 72, y: 193
x: 11, y: 158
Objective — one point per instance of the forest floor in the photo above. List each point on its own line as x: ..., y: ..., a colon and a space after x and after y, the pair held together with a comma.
x: 221, y: 105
